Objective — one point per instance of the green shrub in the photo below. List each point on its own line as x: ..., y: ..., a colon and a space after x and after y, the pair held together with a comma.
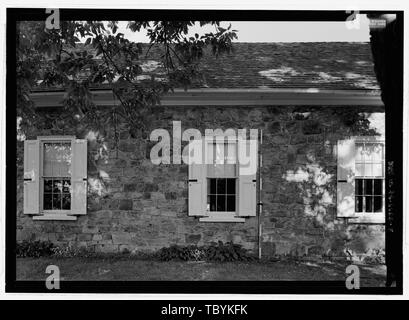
x: 215, y: 252
x: 34, y: 249
x: 71, y: 251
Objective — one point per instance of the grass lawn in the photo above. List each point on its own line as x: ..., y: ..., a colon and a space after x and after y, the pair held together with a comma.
x: 97, y: 269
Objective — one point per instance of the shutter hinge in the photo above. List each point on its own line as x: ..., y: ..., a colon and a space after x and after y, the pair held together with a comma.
x: 28, y: 179
x: 342, y: 180
x: 192, y: 180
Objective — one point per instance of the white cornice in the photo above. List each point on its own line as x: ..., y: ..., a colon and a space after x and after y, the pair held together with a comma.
x: 235, y: 97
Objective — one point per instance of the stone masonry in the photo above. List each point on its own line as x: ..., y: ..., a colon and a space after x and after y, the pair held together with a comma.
x: 138, y: 206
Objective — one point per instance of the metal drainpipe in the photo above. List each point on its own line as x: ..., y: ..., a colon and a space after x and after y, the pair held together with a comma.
x: 260, y: 187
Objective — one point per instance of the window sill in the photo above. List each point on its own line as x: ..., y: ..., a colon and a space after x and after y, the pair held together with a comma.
x: 368, y: 218
x: 222, y: 217
x: 59, y: 217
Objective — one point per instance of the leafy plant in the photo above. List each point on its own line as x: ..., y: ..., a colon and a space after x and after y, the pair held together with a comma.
x: 215, y: 252
x: 71, y: 251
x: 34, y: 249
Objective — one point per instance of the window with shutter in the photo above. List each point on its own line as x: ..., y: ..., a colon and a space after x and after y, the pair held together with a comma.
x: 55, y: 177
x: 360, y: 181
x: 221, y: 189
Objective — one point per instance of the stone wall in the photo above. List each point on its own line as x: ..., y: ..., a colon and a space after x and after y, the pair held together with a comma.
x: 135, y: 205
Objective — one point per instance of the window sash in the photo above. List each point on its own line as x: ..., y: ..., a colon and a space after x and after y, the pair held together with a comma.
x: 223, y: 192
x: 369, y: 166
x: 44, y: 176
x: 221, y: 168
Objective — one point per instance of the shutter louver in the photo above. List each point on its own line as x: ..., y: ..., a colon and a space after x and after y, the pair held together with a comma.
x: 247, y: 149
x: 197, y: 179
x: 79, y: 177
x: 346, y: 178
x: 31, y: 177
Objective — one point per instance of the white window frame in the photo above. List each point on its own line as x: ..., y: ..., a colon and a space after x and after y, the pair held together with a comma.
x: 53, y: 214
x: 366, y: 217
x: 371, y: 217
x: 222, y: 216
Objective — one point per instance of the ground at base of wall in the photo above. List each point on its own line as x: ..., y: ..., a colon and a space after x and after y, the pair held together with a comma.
x: 94, y: 269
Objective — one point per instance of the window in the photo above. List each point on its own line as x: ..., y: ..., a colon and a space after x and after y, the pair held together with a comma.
x: 55, y: 177
x: 221, y: 195
x: 221, y: 177
x: 369, y: 191
x: 220, y: 189
x: 368, y: 195
x: 361, y: 185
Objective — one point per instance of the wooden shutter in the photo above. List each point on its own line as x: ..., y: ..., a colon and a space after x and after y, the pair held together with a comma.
x: 79, y: 177
x: 346, y: 178
x: 31, y: 177
x: 247, y: 192
x: 197, y: 180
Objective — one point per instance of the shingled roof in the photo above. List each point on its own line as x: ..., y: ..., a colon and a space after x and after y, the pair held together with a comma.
x: 324, y: 65
x: 320, y: 65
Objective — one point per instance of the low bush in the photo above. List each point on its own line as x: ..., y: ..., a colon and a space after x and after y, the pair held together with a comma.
x: 34, y: 249
x: 215, y: 252
x: 71, y: 251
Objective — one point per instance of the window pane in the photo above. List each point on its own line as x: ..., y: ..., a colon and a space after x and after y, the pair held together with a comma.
x: 368, y: 204
x: 378, y: 190
x: 212, y: 186
x: 66, y: 186
x: 377, y: 152
x: 367, y: 152
x: 66, y: 201
x: 360, y: 169
x: 47, y: 201
x: 231, y: 186
x: 57, y: 159
x: 57, y: 186
x: 378, y: 204
x: 221, y: 159
x: 359, y: 152
x: 368, y: 170
x: 221, y: 203
x: 230, y: 153
x: 358, y: 204
x: 211, y: 204
x: 219, y: 153
x: 221, y: 186
x: 377, y: 170
x: 359, y: 187
x: 368, y: 186
x: 231, y: 203
x: 56, y: 201
x: 48, y: 185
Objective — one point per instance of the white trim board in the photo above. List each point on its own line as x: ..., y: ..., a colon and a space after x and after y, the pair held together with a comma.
x: 236, y: 97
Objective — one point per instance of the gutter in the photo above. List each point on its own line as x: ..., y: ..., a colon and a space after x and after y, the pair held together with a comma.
x: 234, y: 97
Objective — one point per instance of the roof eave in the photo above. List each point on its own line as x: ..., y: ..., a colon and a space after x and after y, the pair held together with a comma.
x: 235, y: 97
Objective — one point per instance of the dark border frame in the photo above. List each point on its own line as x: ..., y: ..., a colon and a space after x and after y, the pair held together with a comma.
x: 250, y: 287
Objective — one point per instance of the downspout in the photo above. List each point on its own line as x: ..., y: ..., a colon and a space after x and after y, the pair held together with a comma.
x: 260, y: 187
